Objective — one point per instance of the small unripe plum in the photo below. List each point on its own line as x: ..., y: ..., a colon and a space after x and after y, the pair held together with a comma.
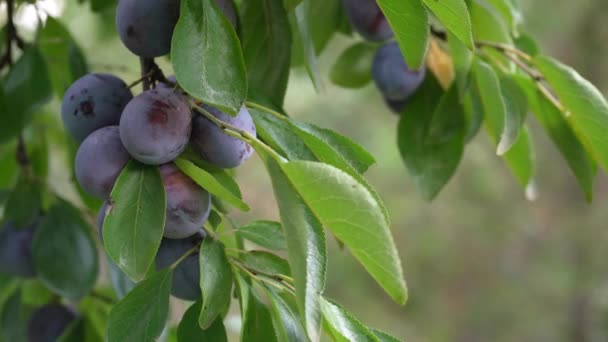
x: 217, y: 147
x: 16, y: 250
x: 155, y: 126
x: 99, y: 161
x: 188, y: 205
x: 393, y: 77
x: 186, y: 277
x: 92, y: 102
x: 48, y: 323
x: 366, y: 18
x: 146, y: 26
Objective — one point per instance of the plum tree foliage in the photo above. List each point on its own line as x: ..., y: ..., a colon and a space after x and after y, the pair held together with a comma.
x: 155, y: 171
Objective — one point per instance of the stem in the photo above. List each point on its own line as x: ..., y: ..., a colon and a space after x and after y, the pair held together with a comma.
x: 146, y: 68
x: 141, y: 79
x: 279, y: 285
x: 238, y: 133
x: 504, y: 48
x: 266, y: 109
x: 184, y: 256
x: 11, y: 31
x: 22, y: 158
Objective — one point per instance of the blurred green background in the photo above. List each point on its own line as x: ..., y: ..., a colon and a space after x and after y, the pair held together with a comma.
x: 482, y: 263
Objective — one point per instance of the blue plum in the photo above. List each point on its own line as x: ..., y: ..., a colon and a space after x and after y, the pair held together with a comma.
x: 397, y: 106
x: 186, y: 277
x: 16, y: 250
x: 48, y: 323
x: 92, y: 102
x: 155, y: 126
x: 99, y: 161
x: 188, y: 205
x: 393, y: 77
x: 217, y: 147
x: 146, y: 26
x: 366, y: 18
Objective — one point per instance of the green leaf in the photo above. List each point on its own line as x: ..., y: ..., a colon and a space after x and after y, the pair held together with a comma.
x: 562, y: 135
x: 350, y: 211
x: 189, y: 329
x: 520, y: 157
x: 27, y: 87
x: 134, y: 227
x: 120, y: 281
x: 142, y: 314
x: 57, y: 47
x: 266, y: 41
x: 410, y: 22
x: 13, y: 319
x: 265, y: 263
x: 342, y: 326
x: 462, y: 58
x: 306, y: 248
x: 267, y: 234
x: 490, y: 27
x: 64, y: 253
x: 510, y: 13
x: 516, y: 109
x: 24, y: 202
x: 586, y: 108
x: 454, y: 15
x: 384, y: 337
x: 303, y: 33
x: 285, y: 320
x: 353, y: 68
x: 257, y: 322
x: 74, y: 332
x: 207, y: 57
x: 208, y: 182
x: 215, y: 281
x: 431, y: 137
x: 33, y: 292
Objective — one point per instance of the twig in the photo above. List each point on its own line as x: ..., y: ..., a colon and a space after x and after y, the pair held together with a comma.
x: 185, y: 255
x: 141, y: 79
x: 146, y: 68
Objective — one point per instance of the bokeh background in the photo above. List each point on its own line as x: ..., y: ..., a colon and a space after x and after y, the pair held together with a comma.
x: 482, y: 263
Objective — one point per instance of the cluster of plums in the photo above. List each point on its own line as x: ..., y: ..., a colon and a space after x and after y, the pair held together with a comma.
x: 395, y: 80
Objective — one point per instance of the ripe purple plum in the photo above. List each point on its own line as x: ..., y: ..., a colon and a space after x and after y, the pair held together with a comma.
x: 393, y: 77
x: 186, y: 277
x: 188, y: 205
x: 229, y: 9
x: 366, y: 18
x: 16, y: 250
x: 155, y: 126
x: 146, y: 26
x: 92, y: 102
x: 396, y: 106
x: 48, y: 323
x: 217, y: 147
x: 99, y: 161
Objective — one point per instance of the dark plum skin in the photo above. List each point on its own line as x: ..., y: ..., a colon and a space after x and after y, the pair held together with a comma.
x: 186, y: 277
x: 16, y: 250
x: 92, y: 102
x: 155, y: 126
x: 146, y: 26
x: 393, y: 77
x: 217, y: 147
x: 99, y: 161
x: 366, y: 18
x: 48, y: 323
x: 188, y: 205
x: 396, y: 106
x: 227, y: 7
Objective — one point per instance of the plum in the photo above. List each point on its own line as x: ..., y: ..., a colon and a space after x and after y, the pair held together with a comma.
x: 155, y: 126
x: 188, y: 205
x: 186, y: 277
x: 16, y: 250
x: 99, y: 161
x: 366, y: 18
x: 217, y: 147
x: 92, y: 102
x: 146, y: 26
x: 397, y: 106
x: 393, y: 77
x: 48, y: 323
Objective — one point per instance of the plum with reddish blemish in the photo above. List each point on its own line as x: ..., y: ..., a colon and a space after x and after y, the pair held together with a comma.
x: 155, y: 126
x: 393, y: 77
x: 217, y: 147
x: 366, y: 18
x: 92, y: 102
x: 16, y: 250
x: 188, y: 205
x: 99, y: 161
x: 49, y: 322
x: 186, y: 277
x: 146, y: 26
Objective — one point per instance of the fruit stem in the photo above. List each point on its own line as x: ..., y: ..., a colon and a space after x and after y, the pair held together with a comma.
x: 184, y: 256
x: 279, y: 284
x: 146, y: 68
x: 266, y: 109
